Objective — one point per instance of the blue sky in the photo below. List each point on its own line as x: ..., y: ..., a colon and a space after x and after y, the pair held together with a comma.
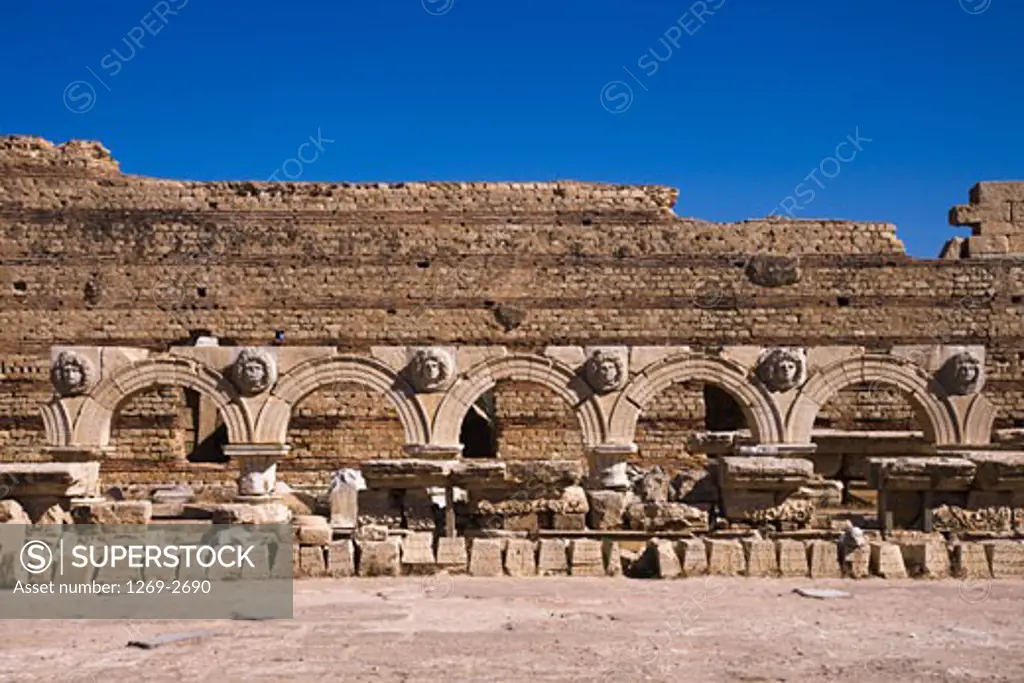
x: 752, y: 98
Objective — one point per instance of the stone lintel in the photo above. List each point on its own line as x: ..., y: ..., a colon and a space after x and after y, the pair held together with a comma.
x: 78, y: 453
x: 406, y: 473
x: 997, y: 470
x: 776, y: 449
x: 921, y: 474
x: 257, y: 450
x: 60, y: 479
x: 429, y: 451
x: 764, y: 473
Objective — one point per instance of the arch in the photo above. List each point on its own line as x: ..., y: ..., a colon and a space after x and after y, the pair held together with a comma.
x: 307, y: 377
x: 56, y: 423
x: 547, y: 372
x: 92, y: 426
x: 979, y: 419
x: 760, y: 411
x: 929, y: 401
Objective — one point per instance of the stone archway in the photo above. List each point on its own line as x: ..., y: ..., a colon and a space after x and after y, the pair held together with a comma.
x: 92, y: 426
x: 930, y: 403
x: 305, y: 378
x: 541, y: 370
x: 57, y: 423
x: 758, y: 408
x: 979, y: 420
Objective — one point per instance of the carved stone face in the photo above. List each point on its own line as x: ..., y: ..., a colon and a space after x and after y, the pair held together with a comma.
x: 604, y: 372
x: 430, y: 369
x: 781, y: 369
x: 254, y: 371
x: 961, y: 374
x: 71, y: 374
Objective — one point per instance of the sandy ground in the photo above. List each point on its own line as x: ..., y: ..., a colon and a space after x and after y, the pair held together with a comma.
x: 444, y: 628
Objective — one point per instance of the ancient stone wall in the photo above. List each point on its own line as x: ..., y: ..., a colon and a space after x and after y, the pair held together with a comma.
x: 90, y: 256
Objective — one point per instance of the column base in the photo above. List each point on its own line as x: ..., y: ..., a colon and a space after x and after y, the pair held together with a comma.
x: 608, y: 466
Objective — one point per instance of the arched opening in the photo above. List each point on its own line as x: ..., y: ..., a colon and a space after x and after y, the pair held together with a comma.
x: 681, y: 429
x: 530, y: 421
x: 165, y: 428
x: 862, y: 421
x: 339, y: 425
x: 479, y: 432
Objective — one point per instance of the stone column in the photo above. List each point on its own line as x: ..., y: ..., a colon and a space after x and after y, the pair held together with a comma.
x: 607, y: 463
x: 257, y: 468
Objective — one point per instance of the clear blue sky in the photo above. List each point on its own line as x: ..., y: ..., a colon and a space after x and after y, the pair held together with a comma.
x: 749, y: 103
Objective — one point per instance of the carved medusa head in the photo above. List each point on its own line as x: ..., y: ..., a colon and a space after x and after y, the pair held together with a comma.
x: 604, y: 372
x: 72, y: 374
x: 430, y: 369
x: 782, y: 369
x: 254, y: 371
x: 962, y: 374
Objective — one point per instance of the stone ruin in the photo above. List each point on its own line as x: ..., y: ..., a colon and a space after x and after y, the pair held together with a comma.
x: 508, y: 378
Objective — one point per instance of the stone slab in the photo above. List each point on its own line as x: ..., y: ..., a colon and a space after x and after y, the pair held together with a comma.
x: 64, y: 479
x: 314, y: 534
x: 791, y: 557
x: 586, y: 557
x: 1006, y: 558
x: 312, y: 562
x: 760, y: 558
x: 970, y: 560
x: 857, y: 563
x: 341, y: 559
x: 725, y: 557
x: 823, y: 560
x: 452, y: 554
x: 764, y: 473
x: 926, y: 558
x: 921, y: 474
x: 887, y: 560
x: 520, y: 557
x: 485, y: 557
x: 379, y: 558
x: 693, y: 557
x: 113, y: 512
x: 607, y: 509
x: 552, y: 558
x: 418, y: 553
x: 612, y: 558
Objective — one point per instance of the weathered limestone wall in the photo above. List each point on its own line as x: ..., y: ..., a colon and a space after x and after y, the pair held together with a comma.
x: 89, y: 256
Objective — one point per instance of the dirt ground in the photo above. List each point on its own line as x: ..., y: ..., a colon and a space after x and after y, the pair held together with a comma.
x: 445, y: 628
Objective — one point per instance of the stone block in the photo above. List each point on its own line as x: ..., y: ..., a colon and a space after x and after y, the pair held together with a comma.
x: 612, y: 558
x: 569, y: 522
x: 926, y: 558
x: 311, y: 561
x: 243, y: 513
x: 654, y: 517
x: 970, y: 560
x: 553, y: 557
x: 693, y: 557
x: 607, y: 509
x: 111, y: 512
x: 379, y: 558
x: 760, y: 558
x: 341, y: 559
x: 344, y: 500
x: 823, y: 560
x: 666, y: 561
x: 764, y: 473
x: 520, y: 557
x: 314, y: 534
x: 11, y: 512
x: 1006, y: 558
x: 857, y: 563
x: 525, y: 522
x: 887, y: 560
x: 418, y: 553
x: 725, y: 557
x: 586, y: 557
x: 792, y: 557
x: 485, y: 557
x: 452, y: 555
